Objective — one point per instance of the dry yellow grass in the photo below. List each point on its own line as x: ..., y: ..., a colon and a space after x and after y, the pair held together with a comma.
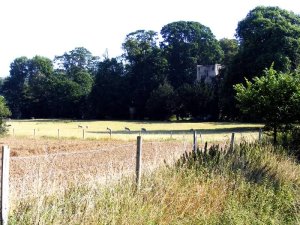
x: 42, y: 164
x: 155, y: 130
x: 98, y: 155
x: 226, y: 192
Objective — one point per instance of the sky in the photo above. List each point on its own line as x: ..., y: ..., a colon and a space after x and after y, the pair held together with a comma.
x: 53, y: 27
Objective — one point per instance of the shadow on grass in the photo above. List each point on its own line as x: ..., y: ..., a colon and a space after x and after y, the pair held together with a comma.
x: 199, y: 131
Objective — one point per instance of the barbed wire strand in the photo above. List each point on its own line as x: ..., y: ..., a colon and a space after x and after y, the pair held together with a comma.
x: 68, y: 153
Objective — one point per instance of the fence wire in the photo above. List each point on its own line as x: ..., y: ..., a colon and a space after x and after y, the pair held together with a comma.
x: 48, y: 173
x: 43, y: 174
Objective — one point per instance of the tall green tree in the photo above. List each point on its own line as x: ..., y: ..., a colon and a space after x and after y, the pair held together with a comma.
x: 24, y: 88
x: 67, y: 97
x: 78, y: 59
x: 145, y: 67
x: 186, y: 44
x: 13, y: 85
x: 161, y: 104
x: 35, y: 87
x: 267, y: 35
x: 230, y: 48
x: 197, y: 100
x: 273, y: 98
x: 4, y: 112
x: 110, y: 94
x: 76, y: 70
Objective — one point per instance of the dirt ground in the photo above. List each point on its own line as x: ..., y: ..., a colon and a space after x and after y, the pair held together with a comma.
x: 40, y: 165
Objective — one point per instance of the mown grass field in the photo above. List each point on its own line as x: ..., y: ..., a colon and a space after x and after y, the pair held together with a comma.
x: 155, y: 130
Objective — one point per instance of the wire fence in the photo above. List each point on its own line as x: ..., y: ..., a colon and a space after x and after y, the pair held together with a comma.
x: 84, y: 132
x: 48, y: 173
x: 44, y: 173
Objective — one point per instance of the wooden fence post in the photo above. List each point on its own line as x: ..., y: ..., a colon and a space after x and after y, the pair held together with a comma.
x: 138, y: 169
x: 13, y: 132
x: 171, y: 134
x: 58, y: 133
x: 260, y: 135
x: 232, y: 142
x: 5, y: 185
x: 33, y: 132
x: 195, y: 145
x: 83, y: 134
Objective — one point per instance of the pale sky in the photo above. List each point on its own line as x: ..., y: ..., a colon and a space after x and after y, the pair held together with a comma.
x: 52, y: 27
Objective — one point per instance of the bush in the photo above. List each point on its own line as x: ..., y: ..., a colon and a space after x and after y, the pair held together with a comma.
x: 4, y: 112
x: 294, y: 142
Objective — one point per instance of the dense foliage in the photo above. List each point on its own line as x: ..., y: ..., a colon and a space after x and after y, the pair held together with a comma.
x: 267, y: 35
x: 273, y: 97
x: 4, y: 112
x: 155, y: 77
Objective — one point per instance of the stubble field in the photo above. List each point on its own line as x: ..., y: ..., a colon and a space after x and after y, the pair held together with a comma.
x: 43, y: 162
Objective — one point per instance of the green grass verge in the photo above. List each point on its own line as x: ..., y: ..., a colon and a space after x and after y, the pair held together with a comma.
x: 252, y: 185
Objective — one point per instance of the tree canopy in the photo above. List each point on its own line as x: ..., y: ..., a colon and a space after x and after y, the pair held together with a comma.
x: 156, y: 74
x: 267, y: 35
x: 186, y: 44
x: 4, y: 112
x: 273, y: 97
x: 146, y: 67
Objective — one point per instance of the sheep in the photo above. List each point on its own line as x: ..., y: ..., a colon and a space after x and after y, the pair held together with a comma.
x: 144, y: 129
x: 79, y: 126
x: 126, y: 128
x: 109, y: 131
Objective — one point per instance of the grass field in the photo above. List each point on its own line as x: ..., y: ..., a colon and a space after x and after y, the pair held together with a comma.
x: 253, y: 185
x: 68, y: 180
x: 154, y: 130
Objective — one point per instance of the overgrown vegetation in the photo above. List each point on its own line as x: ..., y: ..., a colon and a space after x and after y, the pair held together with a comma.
x: 274, y: 98
x: 291, y: 141
x: 252, y: 184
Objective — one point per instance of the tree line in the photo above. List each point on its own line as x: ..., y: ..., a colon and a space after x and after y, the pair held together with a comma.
x: 155, y: 77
